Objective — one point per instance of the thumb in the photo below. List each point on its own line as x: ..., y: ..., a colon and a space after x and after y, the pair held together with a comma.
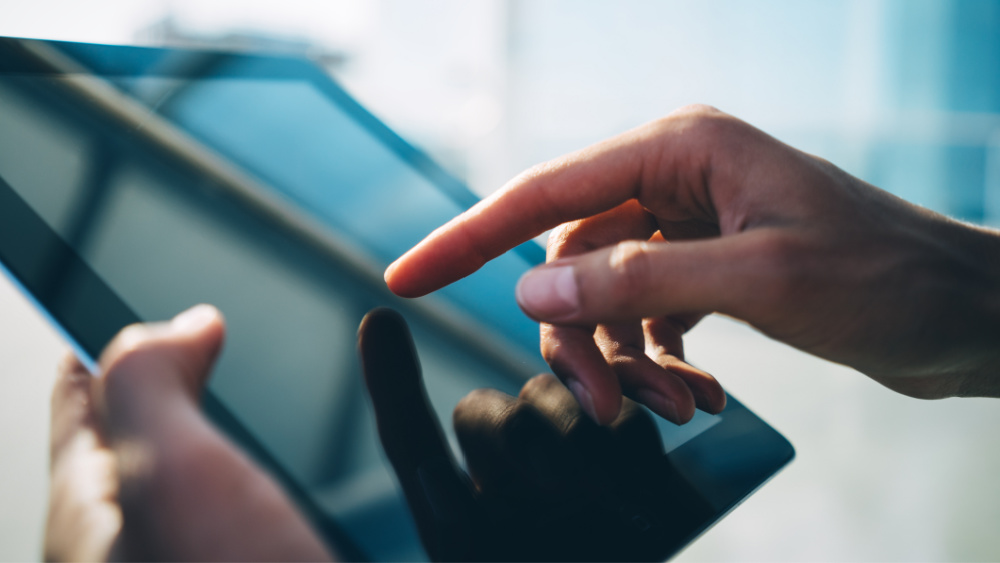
x: 148, y: 368
x: 642, y: 279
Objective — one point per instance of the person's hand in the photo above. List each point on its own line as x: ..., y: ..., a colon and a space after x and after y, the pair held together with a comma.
x: 138, y: 472
x: 699, y: 212
x: 545, y: 482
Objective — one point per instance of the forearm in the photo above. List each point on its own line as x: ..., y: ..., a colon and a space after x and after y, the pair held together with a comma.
x: 970, y: 297
x: 936, y: 307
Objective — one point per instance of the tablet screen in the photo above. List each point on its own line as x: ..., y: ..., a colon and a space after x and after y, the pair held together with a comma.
x: 164, y: 235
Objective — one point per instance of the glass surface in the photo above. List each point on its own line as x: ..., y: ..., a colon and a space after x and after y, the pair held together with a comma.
x: 289, y: 370
x: 165, y: 237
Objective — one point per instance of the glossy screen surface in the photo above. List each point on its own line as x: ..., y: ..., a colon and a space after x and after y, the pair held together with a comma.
x: 163, y: 236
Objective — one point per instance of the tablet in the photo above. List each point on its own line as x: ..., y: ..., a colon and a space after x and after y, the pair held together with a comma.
x: 137, y: 182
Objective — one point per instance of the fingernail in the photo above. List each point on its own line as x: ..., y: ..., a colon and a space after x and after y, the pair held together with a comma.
x: 194, y: 319
x: 659, y: 404
x: 583, y: 397
x: 549, y: 293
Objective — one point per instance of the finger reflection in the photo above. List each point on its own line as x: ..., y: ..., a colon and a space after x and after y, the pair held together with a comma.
x: 547, y: 482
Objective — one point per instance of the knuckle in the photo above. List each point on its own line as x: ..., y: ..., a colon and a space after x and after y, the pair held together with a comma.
x: 131, y: 338
x: 691, y: 114
x: 471, y: 403
x: 560, y: 239
x: 559, y: 234
x: 514, y: 419
x: 131, y: 343
x: 480, y: 409
x: 697, y: 111
x: 612, y: 341
x: 539, y: 386
x: 136, y: 350
x: 702, y: 126
x: 128, y: 361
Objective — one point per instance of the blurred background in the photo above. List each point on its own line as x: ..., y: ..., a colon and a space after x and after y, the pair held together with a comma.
x: 902, y: 93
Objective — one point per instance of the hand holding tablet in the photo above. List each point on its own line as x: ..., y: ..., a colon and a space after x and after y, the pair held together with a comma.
x: 699, y: 212
x: 139, y: 473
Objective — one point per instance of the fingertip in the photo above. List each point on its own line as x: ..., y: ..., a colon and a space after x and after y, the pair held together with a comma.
x: 603, y: 408
x: 389, y: 362
x: 183, y: 349
x: 206, y: 325
x: 421, y: 270
x: 392, y: 280
x: 713, y: 402
x: 678, y: 412
x: 381, y: 316
x: 380, y: 329
x: 709, y: 396
x: 399, y: 283
x: 387, y: 275
x: 448, y: 254
x: 197, y: 319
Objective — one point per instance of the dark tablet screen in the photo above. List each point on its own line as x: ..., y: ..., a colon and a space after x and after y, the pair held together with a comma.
x: 145, y: 181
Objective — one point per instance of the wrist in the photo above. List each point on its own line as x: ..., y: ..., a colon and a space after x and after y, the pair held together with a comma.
x: 972, y: 300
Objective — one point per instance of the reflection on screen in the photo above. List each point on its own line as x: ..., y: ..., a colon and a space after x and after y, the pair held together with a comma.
x: 165, y: 238
x: 302, y: 144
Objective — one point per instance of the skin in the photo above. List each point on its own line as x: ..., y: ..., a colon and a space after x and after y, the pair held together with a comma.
x: 699, y: 212
x: 139, y: 473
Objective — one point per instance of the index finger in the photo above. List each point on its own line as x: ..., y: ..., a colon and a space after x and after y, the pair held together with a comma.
x: 571, y: 187
x: 439, y: 495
